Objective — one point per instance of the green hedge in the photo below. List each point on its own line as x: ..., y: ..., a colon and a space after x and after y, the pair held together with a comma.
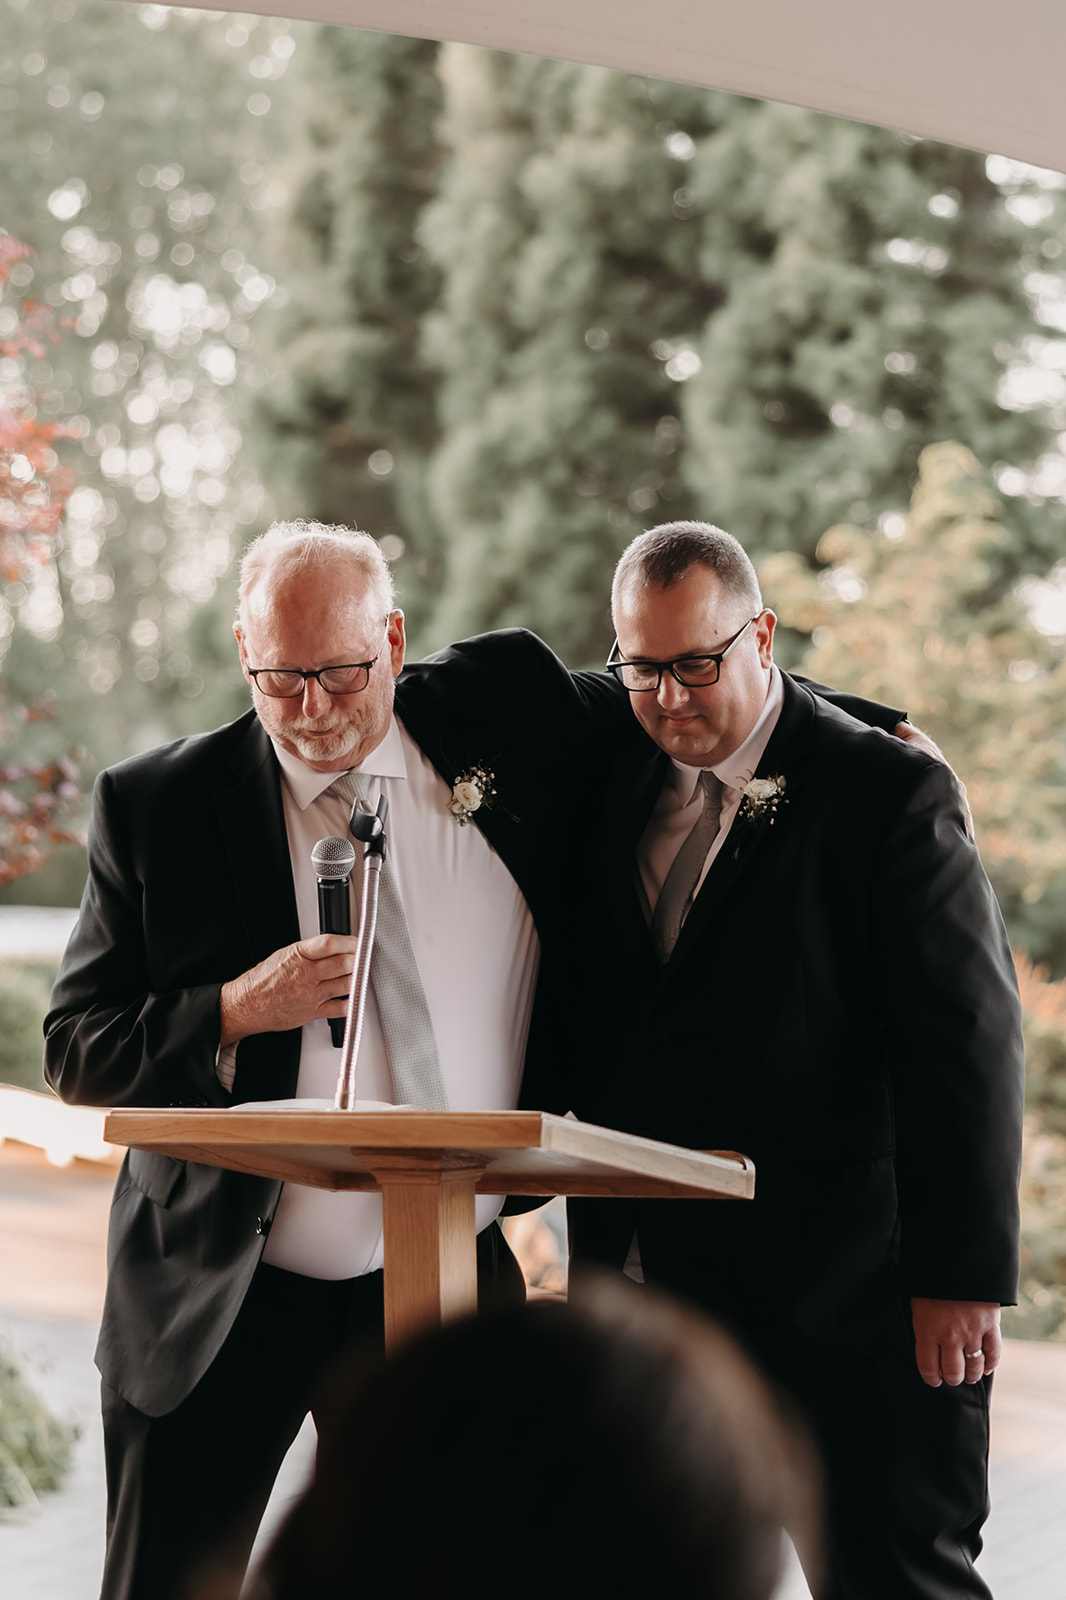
x: 24, y: 991
x: 35, y: 1447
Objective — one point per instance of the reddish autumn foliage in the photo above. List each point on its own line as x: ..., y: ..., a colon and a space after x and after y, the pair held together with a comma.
x: 35, y: 797
x: 34, y: 484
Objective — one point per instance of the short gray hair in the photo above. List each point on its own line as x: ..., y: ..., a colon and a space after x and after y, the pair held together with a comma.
x: 315, y: 544
x: 661, y: 557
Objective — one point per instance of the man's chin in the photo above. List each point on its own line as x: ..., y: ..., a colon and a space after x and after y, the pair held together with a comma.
x: 322, y: 749
x: 683, y: 741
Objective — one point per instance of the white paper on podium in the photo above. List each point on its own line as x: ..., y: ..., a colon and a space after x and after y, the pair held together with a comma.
x: 316, y: 1105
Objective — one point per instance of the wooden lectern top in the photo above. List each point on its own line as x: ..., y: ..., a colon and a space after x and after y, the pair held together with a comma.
x: 514, y: 1152
x: 428, y: 1166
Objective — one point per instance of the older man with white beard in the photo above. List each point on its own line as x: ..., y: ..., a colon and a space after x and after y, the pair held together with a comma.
x: 197, y: 976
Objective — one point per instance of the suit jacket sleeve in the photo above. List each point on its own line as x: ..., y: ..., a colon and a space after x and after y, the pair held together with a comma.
x: 488, y: 681
x: 950, y: 1002
x: 510, y: 685
x: 872, y: 712
x: 110, y: 1039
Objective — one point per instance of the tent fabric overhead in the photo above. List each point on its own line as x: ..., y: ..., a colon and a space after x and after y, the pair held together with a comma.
x: 972, y: 72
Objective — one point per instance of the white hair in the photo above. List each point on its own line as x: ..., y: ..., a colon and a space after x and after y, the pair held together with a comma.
x: 314, y: 544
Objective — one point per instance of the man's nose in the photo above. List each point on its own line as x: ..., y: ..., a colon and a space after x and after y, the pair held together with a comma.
x: 316, y: 701
x: 671, y: 693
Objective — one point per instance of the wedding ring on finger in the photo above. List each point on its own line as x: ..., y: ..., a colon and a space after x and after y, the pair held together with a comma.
x: 973, y: 1355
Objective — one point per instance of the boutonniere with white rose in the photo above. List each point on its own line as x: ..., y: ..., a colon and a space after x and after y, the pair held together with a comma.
x: 473, y: 790
x: 761, y: 798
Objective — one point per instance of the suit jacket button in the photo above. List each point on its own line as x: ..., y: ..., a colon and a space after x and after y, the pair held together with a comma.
x: 262, y: 1225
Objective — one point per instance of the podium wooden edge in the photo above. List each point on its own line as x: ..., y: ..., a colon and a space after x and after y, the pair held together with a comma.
x: 522, y: 1152
x: 428, y: 1167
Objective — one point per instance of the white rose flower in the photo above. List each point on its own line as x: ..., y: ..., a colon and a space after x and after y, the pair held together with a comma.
x: 466, y: 796
x: 473, y: 790
x: 761, y: 798
x: 760, y: 790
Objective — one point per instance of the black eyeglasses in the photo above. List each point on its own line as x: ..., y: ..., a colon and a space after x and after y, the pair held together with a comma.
x: 288, y: 683
x: 691, y: 672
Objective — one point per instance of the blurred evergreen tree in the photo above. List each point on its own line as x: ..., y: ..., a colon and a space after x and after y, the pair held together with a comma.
x: 140, y: 147
x: 877, y: 291
x: 654, y: 301
x: 564, y: 266
x: 345, y: 426
x: 481, y: 274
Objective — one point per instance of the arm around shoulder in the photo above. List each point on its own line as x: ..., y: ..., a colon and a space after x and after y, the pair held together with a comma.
x: 512, y: 679
x: 871, y: 712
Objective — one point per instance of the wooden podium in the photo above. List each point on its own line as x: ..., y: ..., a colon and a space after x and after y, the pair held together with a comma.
x: 428, y: 1166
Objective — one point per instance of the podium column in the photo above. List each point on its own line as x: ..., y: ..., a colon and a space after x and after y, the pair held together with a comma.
x: 430, y: 1238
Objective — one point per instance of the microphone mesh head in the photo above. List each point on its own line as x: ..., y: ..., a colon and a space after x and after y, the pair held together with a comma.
x: 333, y: 857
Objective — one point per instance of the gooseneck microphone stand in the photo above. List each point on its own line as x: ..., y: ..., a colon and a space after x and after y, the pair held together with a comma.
x: 369, y: 828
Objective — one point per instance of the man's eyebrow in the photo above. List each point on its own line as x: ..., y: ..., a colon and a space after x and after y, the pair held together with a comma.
x: 342, y: 661
x: 682, y: 655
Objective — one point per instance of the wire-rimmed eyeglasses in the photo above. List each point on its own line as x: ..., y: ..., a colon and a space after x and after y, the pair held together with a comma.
x: 691, y: 672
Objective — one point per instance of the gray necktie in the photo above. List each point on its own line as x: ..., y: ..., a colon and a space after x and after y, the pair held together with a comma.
x: 405, y: 1020
x: 680, y: 885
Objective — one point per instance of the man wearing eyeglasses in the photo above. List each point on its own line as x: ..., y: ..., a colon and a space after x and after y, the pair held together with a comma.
x: 801, y: 959
x: 197, y: 975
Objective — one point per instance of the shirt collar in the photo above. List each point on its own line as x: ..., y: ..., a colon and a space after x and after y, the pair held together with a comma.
x: 740, y: 767
x: 387, y: 760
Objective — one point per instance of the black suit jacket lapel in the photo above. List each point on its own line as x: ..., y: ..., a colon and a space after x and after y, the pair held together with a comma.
x: 750, y: 837
x: 633, y: 787
x: 250, y: 813
x: 249, y: 809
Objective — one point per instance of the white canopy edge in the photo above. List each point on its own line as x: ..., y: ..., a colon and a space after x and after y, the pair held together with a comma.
x: 970, y: 72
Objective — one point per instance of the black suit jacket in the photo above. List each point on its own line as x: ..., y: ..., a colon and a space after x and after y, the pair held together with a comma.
x: 190, y: 884
x: 841, y: 1006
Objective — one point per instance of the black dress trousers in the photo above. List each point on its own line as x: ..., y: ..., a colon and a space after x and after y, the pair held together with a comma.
x: 187, y: 1491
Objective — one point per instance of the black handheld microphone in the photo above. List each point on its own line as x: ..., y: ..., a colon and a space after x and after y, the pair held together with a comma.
x: 333, y: 860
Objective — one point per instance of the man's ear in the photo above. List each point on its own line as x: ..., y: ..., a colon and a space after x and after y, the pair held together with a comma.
x: 764, y: 636
x: 397, y: 640
x: 238, y: 635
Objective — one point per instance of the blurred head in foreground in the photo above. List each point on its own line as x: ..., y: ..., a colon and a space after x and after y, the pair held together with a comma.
x: 613, y: 1445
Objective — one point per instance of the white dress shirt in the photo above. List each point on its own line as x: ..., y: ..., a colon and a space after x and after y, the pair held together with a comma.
x: 477, y: 953
x: 681, y: 801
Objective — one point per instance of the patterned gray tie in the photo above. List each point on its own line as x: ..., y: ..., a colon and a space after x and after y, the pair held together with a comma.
x: 405, y: 1020
x: 677, y: 891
